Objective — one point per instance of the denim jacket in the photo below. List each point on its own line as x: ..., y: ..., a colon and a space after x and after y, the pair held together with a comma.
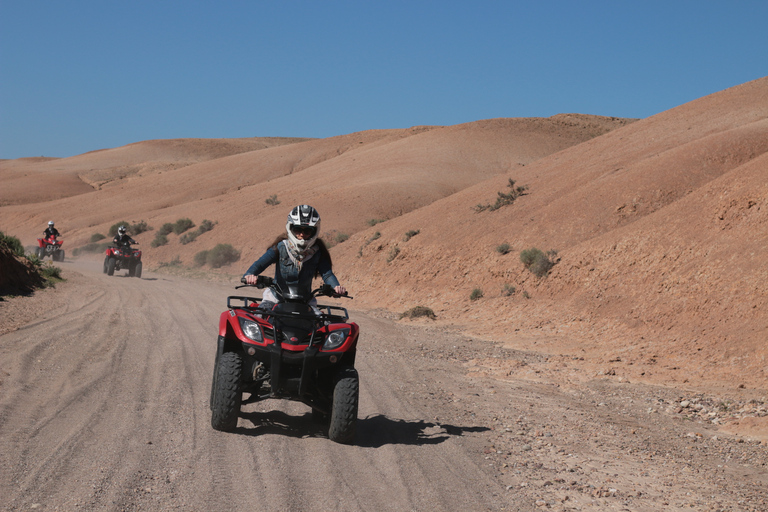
x: 287, y: 273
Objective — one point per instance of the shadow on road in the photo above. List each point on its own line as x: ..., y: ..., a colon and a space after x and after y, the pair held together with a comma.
x: 377, y: 431
x: 372, y: 432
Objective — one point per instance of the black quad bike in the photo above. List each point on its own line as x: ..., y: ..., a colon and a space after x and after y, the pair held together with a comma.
x: 291, y: 352
x: 123, y: 256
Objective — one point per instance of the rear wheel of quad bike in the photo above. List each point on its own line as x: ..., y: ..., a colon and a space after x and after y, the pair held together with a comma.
x: 227, y: 396
x: 106, y: 261
x: 111, y: 262
x: 39, y: 253
x: 346, y: 394
x: 137, y: 270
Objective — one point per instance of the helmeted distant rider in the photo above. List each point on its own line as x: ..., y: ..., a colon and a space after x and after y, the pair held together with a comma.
x: 299, y: 256
x: 50, y: 231
x: 122, y: 238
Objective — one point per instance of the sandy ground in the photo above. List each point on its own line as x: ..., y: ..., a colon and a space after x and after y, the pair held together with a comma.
x: 104, y: 406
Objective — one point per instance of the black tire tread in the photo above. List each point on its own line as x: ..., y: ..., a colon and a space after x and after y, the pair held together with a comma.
x: 227, y: 396
x: 346, y: 395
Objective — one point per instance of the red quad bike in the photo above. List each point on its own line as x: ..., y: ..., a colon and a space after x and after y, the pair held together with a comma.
x: 290, y: 352
x: 50, y: 247
x: 123, y: 256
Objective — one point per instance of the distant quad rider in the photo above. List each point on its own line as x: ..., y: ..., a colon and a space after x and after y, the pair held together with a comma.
x: 50, y: 231
x: 122, y: 238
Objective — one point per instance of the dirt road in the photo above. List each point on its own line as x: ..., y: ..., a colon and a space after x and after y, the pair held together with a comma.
x: 104, y: 406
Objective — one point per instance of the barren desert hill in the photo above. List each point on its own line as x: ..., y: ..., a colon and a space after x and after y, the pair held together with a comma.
x: 658, y: 228
x: 376, y: 174
x: 657, y: 224
x: 64, y: 177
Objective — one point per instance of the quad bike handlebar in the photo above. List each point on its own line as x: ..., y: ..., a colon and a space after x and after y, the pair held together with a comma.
x: 324, y: 290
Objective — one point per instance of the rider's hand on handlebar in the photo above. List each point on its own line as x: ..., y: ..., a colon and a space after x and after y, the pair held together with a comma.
x: 251, y: 279
x: 340, y: 290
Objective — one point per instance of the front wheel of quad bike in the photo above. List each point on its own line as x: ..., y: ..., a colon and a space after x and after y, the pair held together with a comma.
x: 111, y: 262
x: 227, y: 396
x: 106, y: 261
x: 39, y: 253
x: 137, y: 270
x: 346, y: 393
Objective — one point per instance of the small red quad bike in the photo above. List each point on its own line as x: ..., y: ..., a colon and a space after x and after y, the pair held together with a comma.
x: 295, y: 351
x: 50, y: 247
x: 120, y: 257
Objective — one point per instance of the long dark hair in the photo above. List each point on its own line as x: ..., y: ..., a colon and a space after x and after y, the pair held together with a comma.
x: 319, y: 243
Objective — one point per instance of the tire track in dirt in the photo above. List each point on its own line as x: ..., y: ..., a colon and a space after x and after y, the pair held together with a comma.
x: 104, y: 406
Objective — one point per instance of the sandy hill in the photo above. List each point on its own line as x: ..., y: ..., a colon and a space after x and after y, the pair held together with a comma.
x: 55, y: 178
x: 351, y: 179
x: 657, y: 224
x: 658, y: 227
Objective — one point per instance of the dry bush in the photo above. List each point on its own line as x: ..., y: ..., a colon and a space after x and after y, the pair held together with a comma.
x: 418, y: 312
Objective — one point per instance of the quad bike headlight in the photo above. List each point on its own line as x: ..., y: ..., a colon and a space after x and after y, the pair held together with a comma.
x: 251, y: 329
x: 336, y: 339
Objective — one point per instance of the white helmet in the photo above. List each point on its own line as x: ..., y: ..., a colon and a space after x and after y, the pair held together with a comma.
x: 303, y: 218
x: 50, y: 223
x: 121, y: 230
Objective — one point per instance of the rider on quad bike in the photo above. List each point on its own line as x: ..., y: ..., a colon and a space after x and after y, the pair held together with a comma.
x: 302, y: 350
x: 122, y: 255
x: 49, y: 245
x: 298, y: 256
x: 51, y: 231
x: 121, y: 238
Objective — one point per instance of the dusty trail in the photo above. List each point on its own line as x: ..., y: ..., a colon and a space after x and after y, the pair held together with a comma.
x: 104, y: 406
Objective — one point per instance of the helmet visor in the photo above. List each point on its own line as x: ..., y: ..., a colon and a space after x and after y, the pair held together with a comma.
x: 305, y: 231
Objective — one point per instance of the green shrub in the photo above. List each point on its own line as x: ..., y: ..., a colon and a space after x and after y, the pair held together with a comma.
x: 200, y: 258
x: 160, y: 239
x: 183, y: 225
x: 419, y: 311
x: 139, y: 227
x: 96, y: 237
x: 205, y: 226
x: 166, y: 229
x: 373, y: 222
x: 12, y: 243
x: 537, y: 261
x: 188, y: 237
x: 410, y: 234
x: 341, y: 237
x: 508, y: 290
x: 503, y: 249
x: 477, y: 293
x: 222, y: 254
x: 503, y: 199
x: 51, y: 275
x: 272, y: 200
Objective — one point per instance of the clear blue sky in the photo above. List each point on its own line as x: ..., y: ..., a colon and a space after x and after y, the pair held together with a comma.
x: 80, y: 75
